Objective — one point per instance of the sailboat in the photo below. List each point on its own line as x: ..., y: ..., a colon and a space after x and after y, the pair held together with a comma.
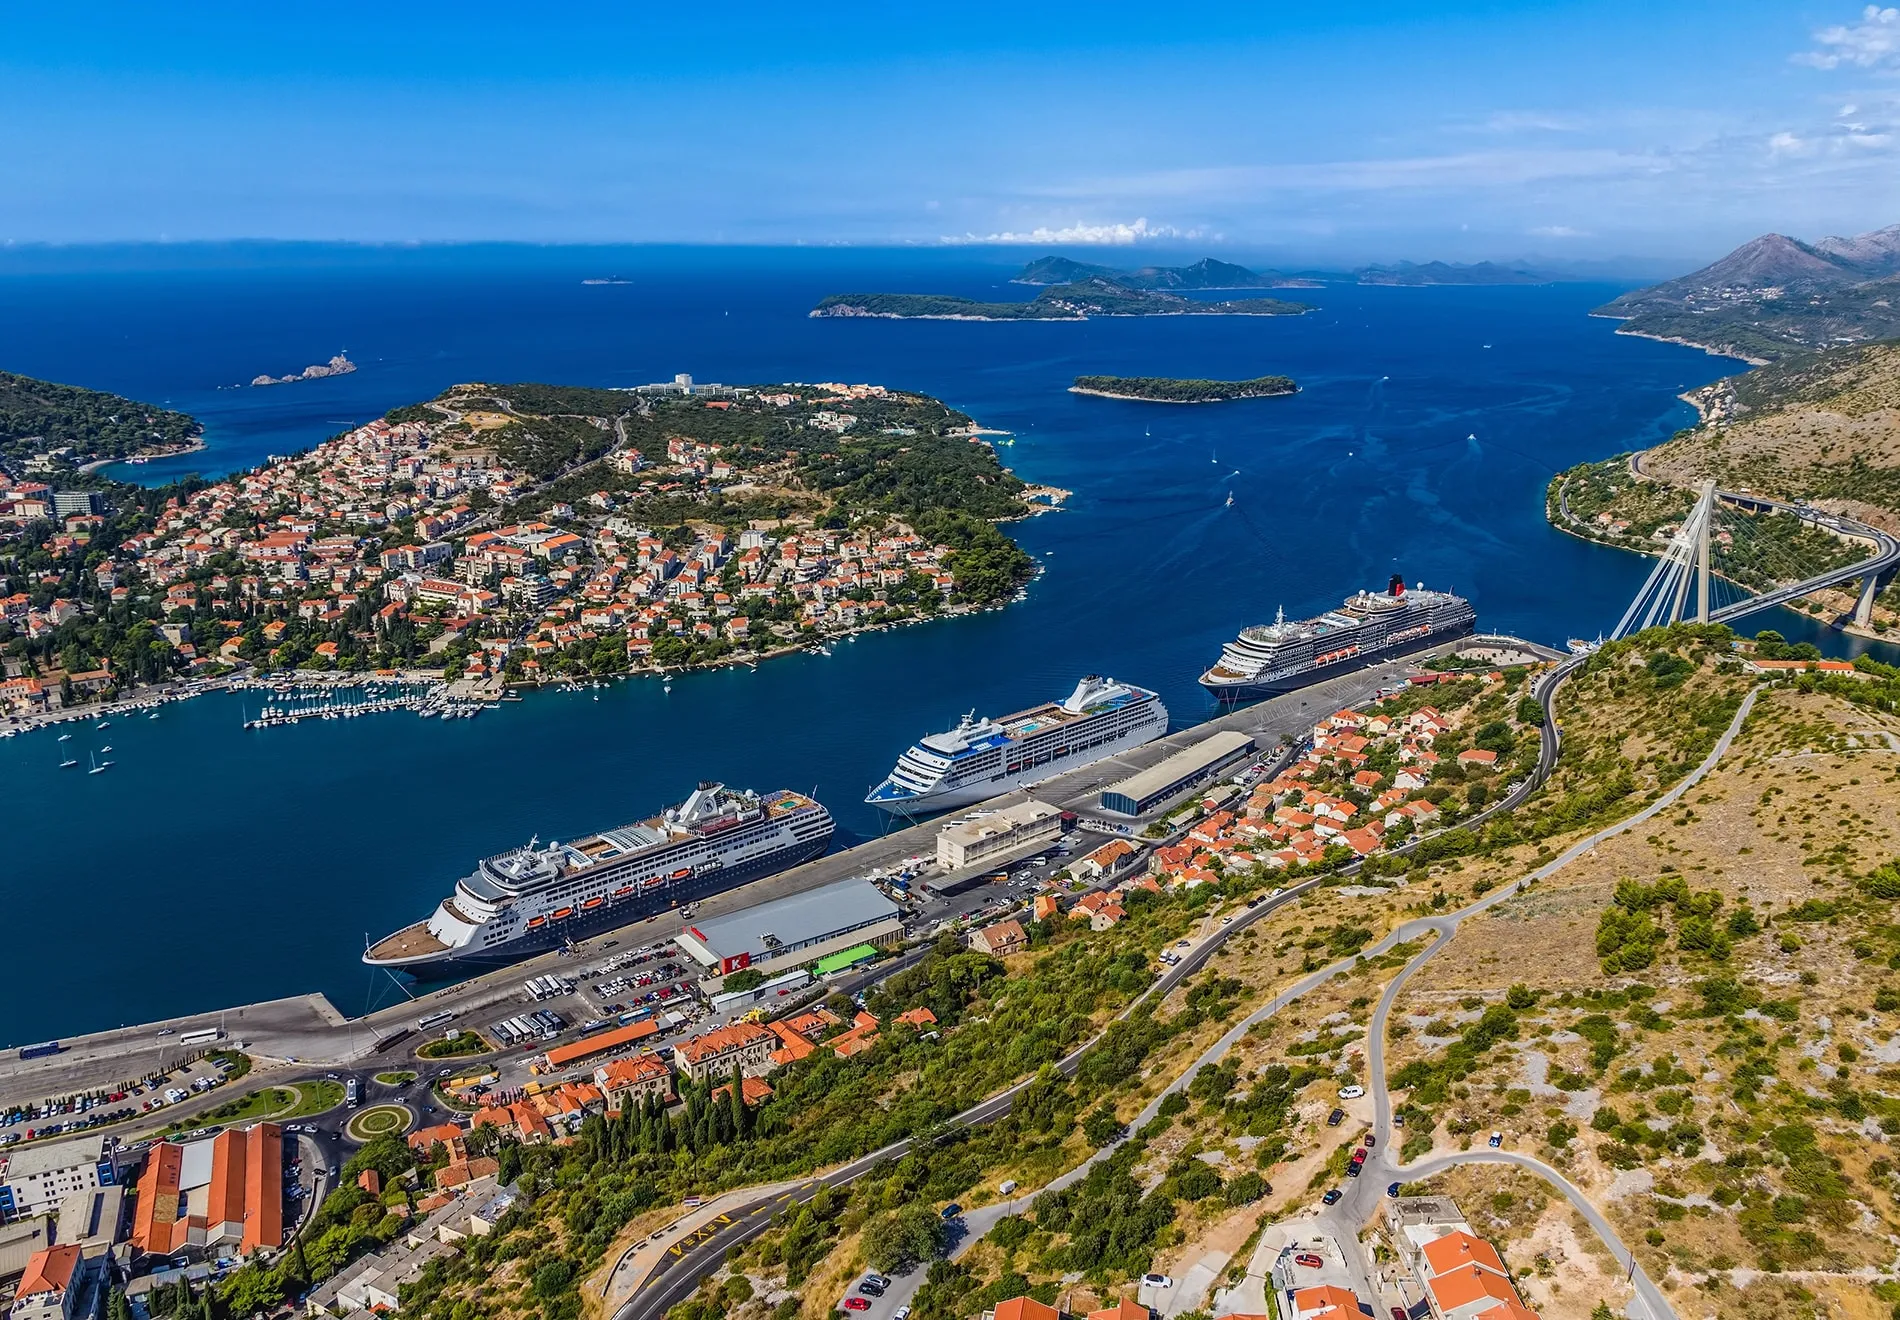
x: 65, y: 737
x: 1230, y: 499
x: 103, y: 724
x: 98, y: 767
x: 68, y: 763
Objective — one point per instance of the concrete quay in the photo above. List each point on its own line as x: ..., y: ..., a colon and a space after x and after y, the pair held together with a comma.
x: 306, y: 1033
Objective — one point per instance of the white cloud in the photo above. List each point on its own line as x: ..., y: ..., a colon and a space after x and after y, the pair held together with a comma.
x: 1560, y: 231
x: 1788, y: 144
x: 1113, y: 235
x: 1868, y: 44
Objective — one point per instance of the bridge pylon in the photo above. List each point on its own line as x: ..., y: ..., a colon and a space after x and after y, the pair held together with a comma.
x: 1870, y: 586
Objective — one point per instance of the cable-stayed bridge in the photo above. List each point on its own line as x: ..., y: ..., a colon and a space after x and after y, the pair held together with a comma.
x: 1733, y: 556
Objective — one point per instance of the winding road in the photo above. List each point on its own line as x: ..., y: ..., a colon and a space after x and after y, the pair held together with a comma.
x: 701, y: 1247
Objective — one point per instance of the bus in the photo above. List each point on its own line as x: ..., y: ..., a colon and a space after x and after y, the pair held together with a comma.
x: 351, y: 1095
x: 42, y: 1050
x: 430, y: 1021
x: 204, y: 1037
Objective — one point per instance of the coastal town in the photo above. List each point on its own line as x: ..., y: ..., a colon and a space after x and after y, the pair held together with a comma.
x: 459, y: 538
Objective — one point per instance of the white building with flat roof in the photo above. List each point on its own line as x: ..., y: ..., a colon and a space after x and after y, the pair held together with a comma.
x: 35, y: 1179
x: 1007, y: 830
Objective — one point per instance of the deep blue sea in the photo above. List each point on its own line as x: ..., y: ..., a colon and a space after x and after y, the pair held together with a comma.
x: 215, y: 866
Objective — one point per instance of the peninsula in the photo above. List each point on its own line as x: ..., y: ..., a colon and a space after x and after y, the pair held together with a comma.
x: 1093, y: 295
x: 1774, y: 296
x: 1817, y: 428
x: 51, y: 429
x: 1168, y: 389
x: 537, y: 532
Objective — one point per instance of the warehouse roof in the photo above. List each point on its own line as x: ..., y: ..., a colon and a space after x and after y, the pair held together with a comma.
x: 797, y: 920
x: 1183, y: 764
x: 601, y: 1042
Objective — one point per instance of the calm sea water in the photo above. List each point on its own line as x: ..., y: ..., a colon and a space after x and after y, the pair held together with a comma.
x: 215, y: 866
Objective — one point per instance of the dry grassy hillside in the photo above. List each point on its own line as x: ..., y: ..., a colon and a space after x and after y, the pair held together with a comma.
x: 1823, y: 426
x: 1713, y: 1046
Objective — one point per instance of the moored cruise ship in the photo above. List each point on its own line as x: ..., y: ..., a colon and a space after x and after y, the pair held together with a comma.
x: 981, y: 758
x: 1277, y: 657
x: 536, y: 898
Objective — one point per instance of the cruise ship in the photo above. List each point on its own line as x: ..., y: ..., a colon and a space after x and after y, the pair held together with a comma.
x: 1278, y: 657
x: 981, y: 758
x: 537, y: 898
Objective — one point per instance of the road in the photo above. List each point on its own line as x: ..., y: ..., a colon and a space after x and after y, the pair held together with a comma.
x: 1360, y: 1198
x: 679, y: 1273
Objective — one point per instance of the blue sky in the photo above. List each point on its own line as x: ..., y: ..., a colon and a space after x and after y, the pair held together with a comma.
x: 1319, y: 131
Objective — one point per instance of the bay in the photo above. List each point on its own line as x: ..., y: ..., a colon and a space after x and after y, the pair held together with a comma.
x: 216, y: 866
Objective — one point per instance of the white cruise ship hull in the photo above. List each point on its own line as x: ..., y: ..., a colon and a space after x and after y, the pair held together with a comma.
x: 949, y: 795
x: 455, y: 963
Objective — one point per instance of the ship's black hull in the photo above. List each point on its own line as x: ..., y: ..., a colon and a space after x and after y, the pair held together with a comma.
x: 611, y: 916
x: 1233, y: 693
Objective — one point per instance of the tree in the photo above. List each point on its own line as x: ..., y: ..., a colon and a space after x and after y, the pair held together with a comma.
x: 746, y: 978
x: 1102, y: 1128
x: 898, y: 1240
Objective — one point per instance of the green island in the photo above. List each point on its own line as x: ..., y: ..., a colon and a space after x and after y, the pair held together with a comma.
x: 1092, y: 295
x: 1169, y: 389
x: 55, y: 430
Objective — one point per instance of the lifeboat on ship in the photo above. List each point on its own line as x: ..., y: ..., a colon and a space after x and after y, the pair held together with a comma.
x: 682, y: 873
x: 623, y: 891
x: 594, y: 902
x: 562, y: 914
x: 537, y: 921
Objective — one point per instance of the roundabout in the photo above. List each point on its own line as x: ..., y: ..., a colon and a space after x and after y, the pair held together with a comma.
x: 379, y: 1121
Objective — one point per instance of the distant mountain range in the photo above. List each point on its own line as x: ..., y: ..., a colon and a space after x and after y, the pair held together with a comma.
x: 1208, y: 273
x: 1412, y: 274
x: 1776, y: 294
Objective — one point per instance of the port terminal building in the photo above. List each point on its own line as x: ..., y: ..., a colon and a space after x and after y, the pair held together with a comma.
x: 1010, y: 830
x: 1188, y: 768
x: 795, y: 931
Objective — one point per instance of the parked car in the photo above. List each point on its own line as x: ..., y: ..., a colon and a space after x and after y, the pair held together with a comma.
x: 1331, y: 1197
x: 871, y: 1288
x: 901, y: 1313
x: 1391, y: 1189
x: 857, y: 1304
x: 952, y: 1210
x: 1370, y: 1140
x: 1398, y: 1313
x: 1351, y: 1092
x: 1309, y: 1260
x: 1157, y: 1281
x: 1335, y: 1118
x: 1497, y: 1138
